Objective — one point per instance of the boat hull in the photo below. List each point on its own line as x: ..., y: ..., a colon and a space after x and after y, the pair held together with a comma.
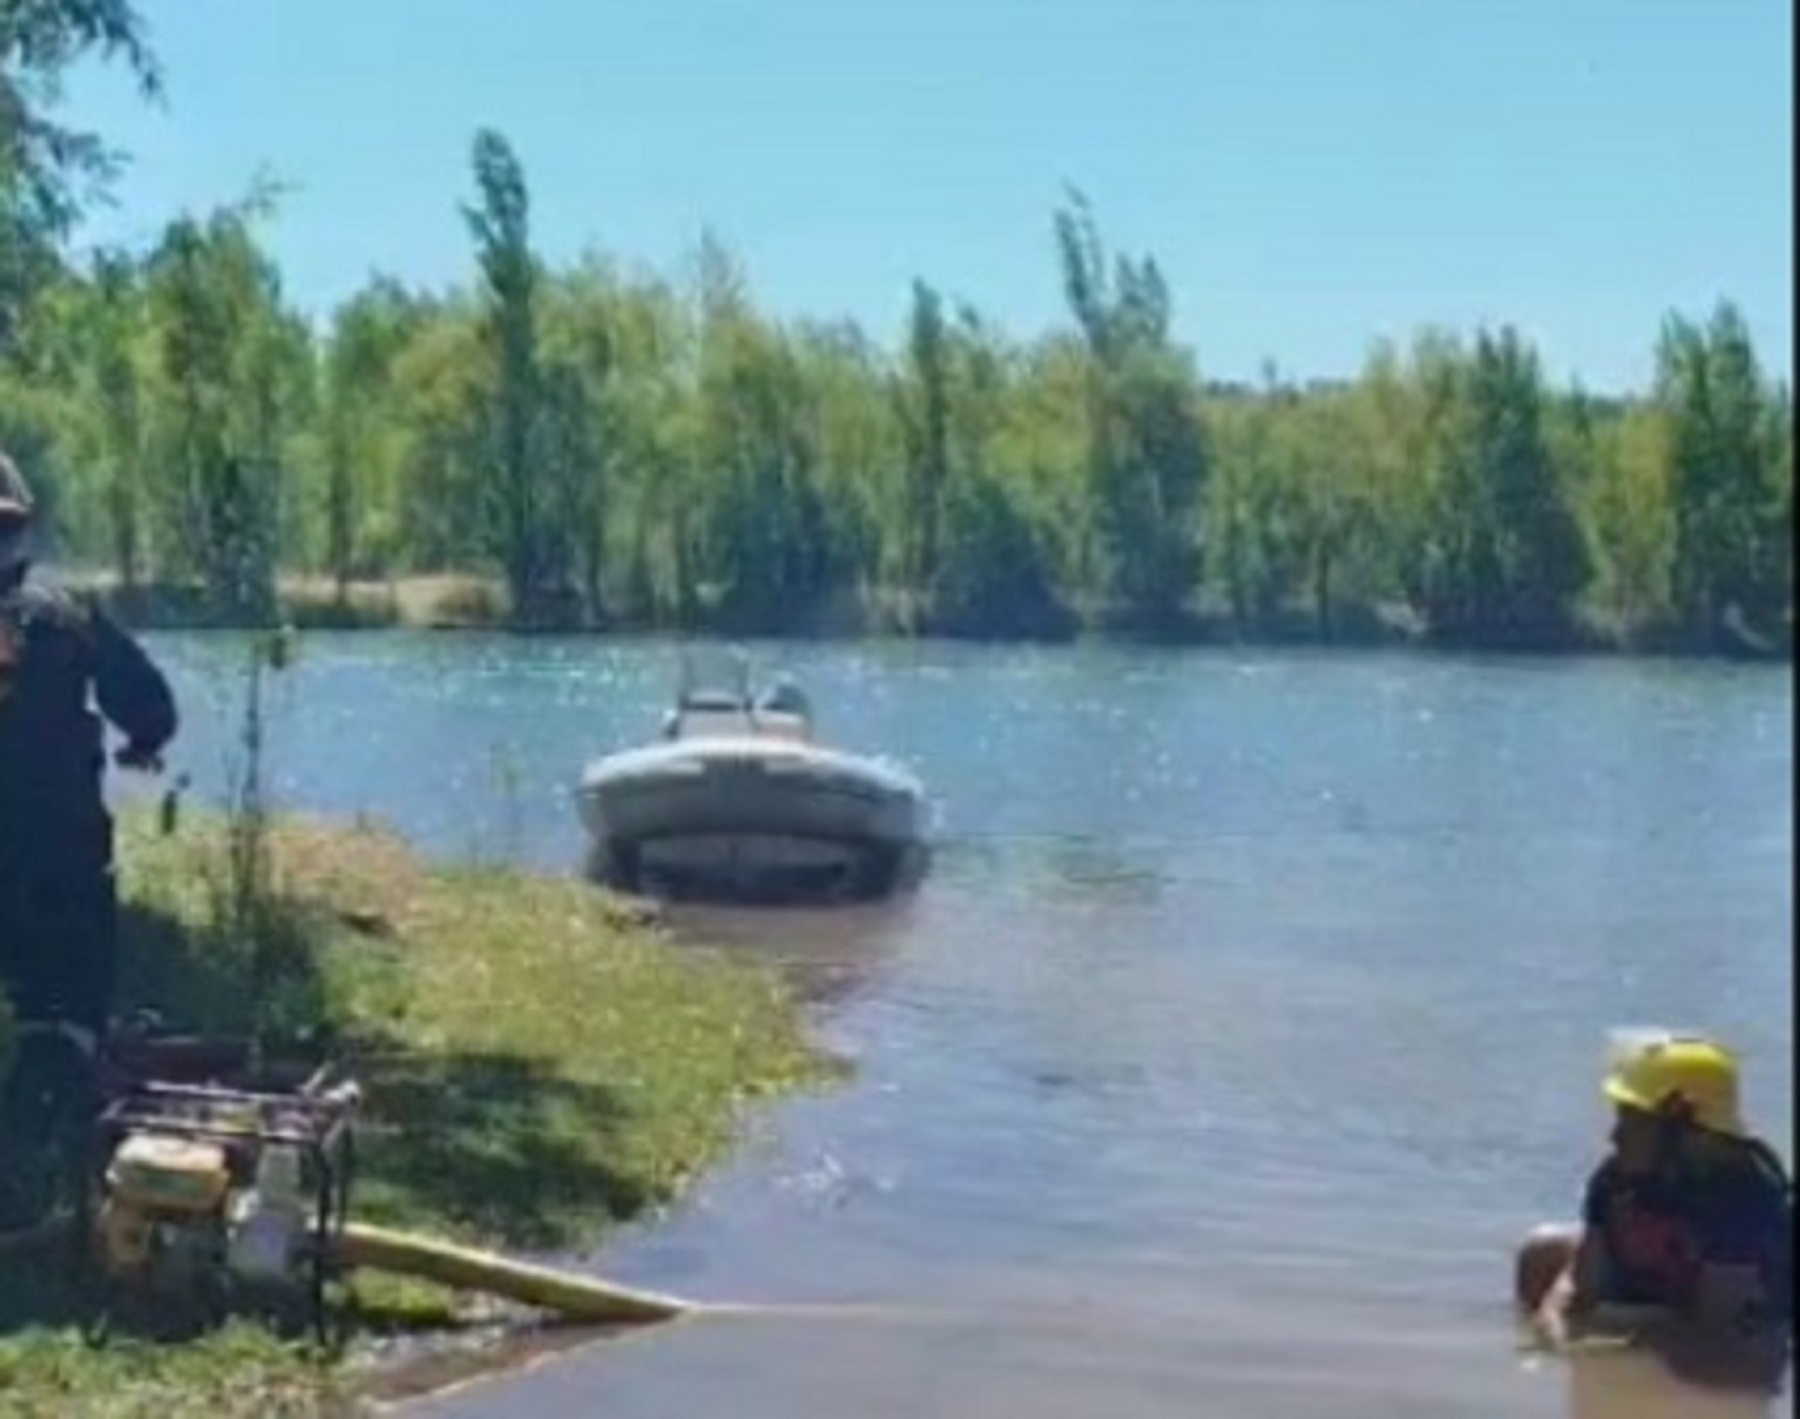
x: 751, y: 820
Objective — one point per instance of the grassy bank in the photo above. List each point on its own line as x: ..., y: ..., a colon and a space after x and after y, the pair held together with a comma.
x: 462, y: 602
x: 539, y: 1064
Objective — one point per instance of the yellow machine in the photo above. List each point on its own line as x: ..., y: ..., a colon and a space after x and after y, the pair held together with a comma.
x: 205, y: 1197
x: 163, y: 1195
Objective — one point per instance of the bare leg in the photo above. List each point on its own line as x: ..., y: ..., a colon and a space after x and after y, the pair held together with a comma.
x: 1542, y: 1256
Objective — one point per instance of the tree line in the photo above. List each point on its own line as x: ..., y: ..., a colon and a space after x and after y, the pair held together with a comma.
x: 634, y: 448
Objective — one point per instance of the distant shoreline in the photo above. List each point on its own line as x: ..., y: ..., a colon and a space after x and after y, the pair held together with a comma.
x: 457, y: 602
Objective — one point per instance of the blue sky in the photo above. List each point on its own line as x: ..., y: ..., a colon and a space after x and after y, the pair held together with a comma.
x: 1312, y: 174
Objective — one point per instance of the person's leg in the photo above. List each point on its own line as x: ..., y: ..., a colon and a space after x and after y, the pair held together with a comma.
x: 47, y: 1095
x: 93, y: 999
x: 89, y: 928
x: 1544, y: 1254
x: 69, y: 953
x: 12, y: 933
x: 78, y: 913
x: 28, y: 971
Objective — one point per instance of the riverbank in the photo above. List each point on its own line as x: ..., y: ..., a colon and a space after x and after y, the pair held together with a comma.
x: 540, y: 1065
x: 472, y: 603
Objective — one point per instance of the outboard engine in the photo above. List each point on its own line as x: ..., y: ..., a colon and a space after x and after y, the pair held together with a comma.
x: 786, y: 697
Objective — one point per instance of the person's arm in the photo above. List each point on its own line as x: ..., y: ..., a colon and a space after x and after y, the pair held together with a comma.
x: 1581, y: 1285
x: 131, y: 692
x: 1576, y: 1290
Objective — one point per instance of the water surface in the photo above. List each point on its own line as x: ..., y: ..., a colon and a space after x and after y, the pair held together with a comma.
x: 1255, y: 1005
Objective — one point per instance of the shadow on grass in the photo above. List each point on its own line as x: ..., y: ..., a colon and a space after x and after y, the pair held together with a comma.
x: 165, y: 966
x: 493, y: 1145
x: 38, y: 1289
x: 198, y: 981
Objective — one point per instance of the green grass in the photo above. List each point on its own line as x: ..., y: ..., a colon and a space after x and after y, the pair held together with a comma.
x: 240, y: 1371
x: 538, y: 1062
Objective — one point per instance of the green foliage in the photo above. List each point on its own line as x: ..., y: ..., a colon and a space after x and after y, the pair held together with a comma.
x: 523, y: 444
x: 1146, y: 455
x: 1730, y: 466
x: 231, y: 371
x: 1504, y: 554
x: 48, y: 171
x: 620, y: 447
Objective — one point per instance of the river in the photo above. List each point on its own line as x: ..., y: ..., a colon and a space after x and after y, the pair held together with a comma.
x: 1255, y: 1004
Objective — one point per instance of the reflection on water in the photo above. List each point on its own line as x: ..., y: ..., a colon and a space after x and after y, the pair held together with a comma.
x: 829, y: 955
x: 1083, y: 1363
x: 1098, y: 870
x: 1253, y: 1009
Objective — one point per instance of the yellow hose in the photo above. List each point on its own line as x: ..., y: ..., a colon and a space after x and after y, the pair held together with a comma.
x: 574, y: 1296
x: 583, y: 1298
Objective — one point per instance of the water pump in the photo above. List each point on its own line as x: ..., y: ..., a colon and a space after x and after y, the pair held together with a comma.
x: 209, y: 1198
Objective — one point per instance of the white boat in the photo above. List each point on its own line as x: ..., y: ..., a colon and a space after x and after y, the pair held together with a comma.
x: 738, y: 799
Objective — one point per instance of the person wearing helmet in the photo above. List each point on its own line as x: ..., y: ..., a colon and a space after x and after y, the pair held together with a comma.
x: 1689, y: 1217
x: 58, y: 904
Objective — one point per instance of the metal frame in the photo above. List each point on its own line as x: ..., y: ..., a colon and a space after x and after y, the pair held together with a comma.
x: 326, y: 1139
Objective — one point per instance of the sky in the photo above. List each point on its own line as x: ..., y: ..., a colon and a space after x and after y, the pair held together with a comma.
x: 1312, y: 175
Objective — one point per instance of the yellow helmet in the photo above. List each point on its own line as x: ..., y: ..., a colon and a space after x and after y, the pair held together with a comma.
x: 1687, y: 1072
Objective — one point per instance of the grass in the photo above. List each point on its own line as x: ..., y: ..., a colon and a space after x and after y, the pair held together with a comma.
x: 240, y: 1371
x: 538, y: 1062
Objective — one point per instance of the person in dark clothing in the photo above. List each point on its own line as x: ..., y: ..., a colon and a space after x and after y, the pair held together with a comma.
x: 1690, y: 1216
x: 58, y: 901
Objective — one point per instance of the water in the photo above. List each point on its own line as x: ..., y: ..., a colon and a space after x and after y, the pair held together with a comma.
x: 1253, y: 1009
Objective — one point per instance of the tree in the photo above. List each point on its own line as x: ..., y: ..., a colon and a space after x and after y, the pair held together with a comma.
x: 1528, y: 563
x: 1712, y: 392
x: 116, y: 318
x: 49, y: 172
x: 860, y: 452
x: 623, y: 444
x: 530, y: 541
x: 1631, y: 530
x: 765, y: 546
x: 360, y: 448
x: 1776, y: 574
x: 442, y: 394
x: 923, y: 399
x: 229, y: 363
x: 1147, y: 451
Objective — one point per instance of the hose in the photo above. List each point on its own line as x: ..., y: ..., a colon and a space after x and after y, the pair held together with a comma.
x: 582, y: 1298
